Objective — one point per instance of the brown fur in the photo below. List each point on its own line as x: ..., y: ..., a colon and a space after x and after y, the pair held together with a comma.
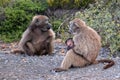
x: 37, y: 38
x: 87, y: 45
x: 69, y: 43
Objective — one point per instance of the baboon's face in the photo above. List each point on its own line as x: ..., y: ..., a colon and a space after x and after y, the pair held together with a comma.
x: 76, y: 25
x: 42, y: 23
x: 45, y: 27
x: 73, y: 27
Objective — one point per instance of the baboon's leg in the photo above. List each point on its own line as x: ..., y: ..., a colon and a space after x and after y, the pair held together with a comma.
x: 71, y: 59
x: 50, y: 48
x: 68, y: 60
x: 66, y: 63
x: 29, y: 49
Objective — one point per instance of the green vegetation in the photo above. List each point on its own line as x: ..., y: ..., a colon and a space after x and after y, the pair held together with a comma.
x: 17, y: 18
x: 67, y: 3
x: 101, y: 19
x: 104, y: 17
x: 4, y: 2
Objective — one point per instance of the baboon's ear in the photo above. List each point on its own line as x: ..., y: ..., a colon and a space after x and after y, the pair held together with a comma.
x: 38, y: 22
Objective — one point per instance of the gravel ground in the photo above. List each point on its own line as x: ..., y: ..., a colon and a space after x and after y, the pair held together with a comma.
x: 20, y: 67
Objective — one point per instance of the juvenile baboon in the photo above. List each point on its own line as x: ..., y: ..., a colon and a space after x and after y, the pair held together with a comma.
x: 87, y: 44
x: 37, y: 38
x: 69, y: 43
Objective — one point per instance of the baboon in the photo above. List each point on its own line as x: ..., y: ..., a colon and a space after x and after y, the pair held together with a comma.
x: 69, y: 43
x: 87, y: 44
x: 37, y: 38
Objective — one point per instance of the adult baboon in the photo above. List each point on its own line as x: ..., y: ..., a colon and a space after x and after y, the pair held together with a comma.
x: 87, y: 44
x: 37, y: 38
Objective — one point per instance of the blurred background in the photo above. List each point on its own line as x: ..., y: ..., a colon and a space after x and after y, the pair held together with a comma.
x: 102, y: 15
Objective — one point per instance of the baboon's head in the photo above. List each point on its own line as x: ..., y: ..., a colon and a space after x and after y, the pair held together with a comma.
x: 41, y: 22
x: 76, y: 25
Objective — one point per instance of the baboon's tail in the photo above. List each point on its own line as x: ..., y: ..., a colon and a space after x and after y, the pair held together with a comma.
x: 110, y: 63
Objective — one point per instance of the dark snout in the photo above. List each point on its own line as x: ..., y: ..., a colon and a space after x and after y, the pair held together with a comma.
x: 49, y: 26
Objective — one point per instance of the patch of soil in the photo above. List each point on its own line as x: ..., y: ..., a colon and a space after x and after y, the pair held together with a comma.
x: 20, y: 67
